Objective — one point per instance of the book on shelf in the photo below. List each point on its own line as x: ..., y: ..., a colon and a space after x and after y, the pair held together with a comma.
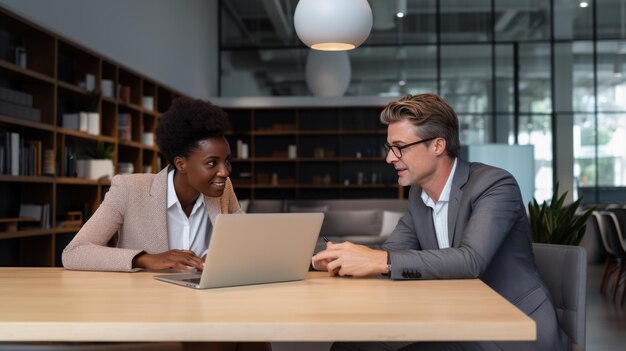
x: 45, y: 217
x: 124, y: 126
x: 20, y: 111
x: 14, y: 156
x: 16, y: 97
x: 1, y: 157
x: 70, y: 162
x: 34, y: 161
x: 37, y: 212
x: 19, y: 157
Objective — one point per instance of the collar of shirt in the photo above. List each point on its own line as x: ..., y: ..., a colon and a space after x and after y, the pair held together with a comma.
x: 445, y: 193
x: 172, y: 198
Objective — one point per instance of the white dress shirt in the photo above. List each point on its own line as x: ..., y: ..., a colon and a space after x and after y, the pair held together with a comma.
x: 440, y: 210
x: 186, y: 233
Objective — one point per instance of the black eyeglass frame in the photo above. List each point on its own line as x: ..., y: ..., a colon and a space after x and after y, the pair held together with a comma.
x: 389, y: 147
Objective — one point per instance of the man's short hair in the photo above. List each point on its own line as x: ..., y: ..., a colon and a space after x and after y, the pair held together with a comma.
x: 431, y: 116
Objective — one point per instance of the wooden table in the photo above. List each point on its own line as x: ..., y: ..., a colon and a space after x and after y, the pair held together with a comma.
x: 53, y: 304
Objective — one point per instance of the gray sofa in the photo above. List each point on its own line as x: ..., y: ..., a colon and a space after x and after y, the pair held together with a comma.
x: 363, y: 221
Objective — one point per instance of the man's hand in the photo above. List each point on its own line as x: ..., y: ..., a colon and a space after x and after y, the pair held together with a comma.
x: 172, y: 259
x: 348, y: 259
x: 320, y: 264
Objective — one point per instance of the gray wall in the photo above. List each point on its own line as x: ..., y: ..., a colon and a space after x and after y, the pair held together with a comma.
x: 173, y: 41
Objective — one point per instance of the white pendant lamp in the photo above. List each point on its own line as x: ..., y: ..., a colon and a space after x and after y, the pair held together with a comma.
x: 333, y: 25
x: 327, y: 73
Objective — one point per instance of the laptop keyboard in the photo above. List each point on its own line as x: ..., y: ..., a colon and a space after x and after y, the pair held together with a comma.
x: 192, y: 280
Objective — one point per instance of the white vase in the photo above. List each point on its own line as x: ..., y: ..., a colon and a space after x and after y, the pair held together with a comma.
x: 94, y: 169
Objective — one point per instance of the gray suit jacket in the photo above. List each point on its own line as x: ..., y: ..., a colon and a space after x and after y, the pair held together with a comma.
x: 489, y: 239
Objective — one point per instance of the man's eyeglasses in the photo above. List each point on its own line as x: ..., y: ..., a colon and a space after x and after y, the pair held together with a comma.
x: 397, y: 150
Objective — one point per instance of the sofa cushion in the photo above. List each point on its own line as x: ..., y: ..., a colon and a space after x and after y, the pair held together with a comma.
x: 351, y: 222
x: 390, y: 220
x: 244, y: 204
x: 306, y: 209
x: 265, y: 206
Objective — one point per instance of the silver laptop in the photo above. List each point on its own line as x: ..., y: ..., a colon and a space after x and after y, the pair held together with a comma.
x: 254, y: 249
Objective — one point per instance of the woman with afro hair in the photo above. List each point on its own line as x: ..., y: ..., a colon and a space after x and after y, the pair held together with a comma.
x: 164, y: 220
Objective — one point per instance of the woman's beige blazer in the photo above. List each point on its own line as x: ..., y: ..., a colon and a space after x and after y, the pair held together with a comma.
x: 134, y: 207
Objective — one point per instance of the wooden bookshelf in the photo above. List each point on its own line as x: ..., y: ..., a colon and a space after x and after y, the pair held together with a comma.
x: 338, y: 152
x: 62, y: 77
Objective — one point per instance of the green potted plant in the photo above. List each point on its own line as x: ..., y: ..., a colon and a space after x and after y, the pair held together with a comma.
x: 553, y: 223
x: 101, y: 166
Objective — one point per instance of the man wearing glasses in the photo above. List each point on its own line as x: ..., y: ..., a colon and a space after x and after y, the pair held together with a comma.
x: 465, y: 220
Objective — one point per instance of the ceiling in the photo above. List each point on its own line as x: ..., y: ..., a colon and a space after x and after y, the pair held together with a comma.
x: 261, y: 54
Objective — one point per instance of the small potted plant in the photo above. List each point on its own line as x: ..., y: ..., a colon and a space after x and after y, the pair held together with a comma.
x: 101, y: 166
x: 555, y: 224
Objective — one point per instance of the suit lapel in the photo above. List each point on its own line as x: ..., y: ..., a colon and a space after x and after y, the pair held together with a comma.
x: 424, y: 221
x: 157, y: 208
x: 461, y: 175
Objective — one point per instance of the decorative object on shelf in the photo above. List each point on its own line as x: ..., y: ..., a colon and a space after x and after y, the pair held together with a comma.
x: 147, y: 168
x: 327, y: 180
x: 147, y: 138
x: 327, y: 73
x: 106, y: 88
x: 49, y: 162
x: 125, y: 168
x: 374, y: 178
x: 93, y: 123
x: 101, y: 167
x: 90, y: 82
x: 359, y: 178
x: 21, y: 58
x: 148, y: 103
x: 292, y: 151
x: 73, y: 219
x: 125, y: 93
x: 242, y: 150
x: 554, y: 224
x: 333, y: 25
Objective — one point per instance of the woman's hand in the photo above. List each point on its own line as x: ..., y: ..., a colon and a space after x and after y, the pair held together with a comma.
x: 172, y: 259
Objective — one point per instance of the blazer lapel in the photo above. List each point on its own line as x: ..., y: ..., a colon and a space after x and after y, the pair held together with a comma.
x: 157, y: 208
x: 461, y: 175
x: 213, y: 206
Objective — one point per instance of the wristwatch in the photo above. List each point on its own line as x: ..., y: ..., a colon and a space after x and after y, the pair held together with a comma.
x: 388, y: 273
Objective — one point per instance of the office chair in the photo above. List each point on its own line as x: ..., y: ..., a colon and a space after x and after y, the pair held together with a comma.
x: 613, y: 241
x: 563, y: 269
